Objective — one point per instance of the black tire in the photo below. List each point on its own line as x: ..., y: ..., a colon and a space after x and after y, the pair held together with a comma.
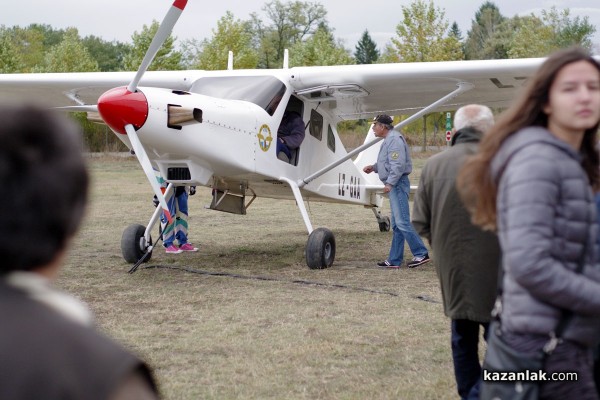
x: 385, y: 225
x: 320, y: 249
x: 134, y: 245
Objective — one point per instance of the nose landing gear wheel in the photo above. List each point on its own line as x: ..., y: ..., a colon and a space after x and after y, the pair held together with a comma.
x: 384, y: 226
x: 134, y: 244
x: 320, y: 249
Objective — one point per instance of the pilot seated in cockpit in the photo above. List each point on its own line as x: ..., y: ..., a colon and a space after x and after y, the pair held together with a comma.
x: 289, y: 135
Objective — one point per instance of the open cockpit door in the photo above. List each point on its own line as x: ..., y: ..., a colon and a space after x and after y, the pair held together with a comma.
x: 289, y: 131
x: 295, y: 105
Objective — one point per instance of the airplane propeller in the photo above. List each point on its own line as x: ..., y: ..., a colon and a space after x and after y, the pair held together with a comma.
x: 164, y: 30
x: 125, y: 109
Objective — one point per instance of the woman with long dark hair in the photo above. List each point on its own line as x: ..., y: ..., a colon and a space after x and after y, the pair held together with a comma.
x: 533, y: 181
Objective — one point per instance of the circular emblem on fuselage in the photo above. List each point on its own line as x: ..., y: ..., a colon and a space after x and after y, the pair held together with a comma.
x: 264, y: 137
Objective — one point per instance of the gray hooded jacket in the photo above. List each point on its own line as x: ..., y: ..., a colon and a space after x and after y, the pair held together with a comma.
x: 545, y: 214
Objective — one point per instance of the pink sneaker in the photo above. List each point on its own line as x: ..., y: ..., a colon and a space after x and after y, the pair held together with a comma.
x: 173, y: 250
x: 188, y: 247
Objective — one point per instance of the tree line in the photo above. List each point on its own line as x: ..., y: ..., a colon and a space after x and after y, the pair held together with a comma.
x: 423, y: 33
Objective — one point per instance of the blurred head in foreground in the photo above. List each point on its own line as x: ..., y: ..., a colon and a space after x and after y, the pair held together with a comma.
x: 44, y: 186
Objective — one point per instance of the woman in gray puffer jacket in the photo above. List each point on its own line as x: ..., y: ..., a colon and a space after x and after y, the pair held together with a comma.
x: 533, y: 181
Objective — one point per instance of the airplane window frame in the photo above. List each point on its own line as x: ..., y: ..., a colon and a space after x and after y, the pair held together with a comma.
x: 330, y: 138
x: 260, y: 90
x: 316, y: 123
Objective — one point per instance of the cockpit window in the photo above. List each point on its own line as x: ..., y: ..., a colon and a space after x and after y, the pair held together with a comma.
x: 260, y: 90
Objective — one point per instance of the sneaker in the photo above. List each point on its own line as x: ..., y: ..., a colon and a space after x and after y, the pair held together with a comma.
x: 187, y: 247
x: 416, y: 261
x: 387, y: 264
x: 173, y: 250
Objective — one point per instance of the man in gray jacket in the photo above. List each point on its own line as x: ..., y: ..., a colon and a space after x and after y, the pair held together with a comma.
x: 393, y: 167
x: 467, y: 257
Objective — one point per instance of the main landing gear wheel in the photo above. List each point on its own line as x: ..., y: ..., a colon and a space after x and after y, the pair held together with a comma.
x: 320, y: 249
x: 134, y: 244
x: 384, y: 226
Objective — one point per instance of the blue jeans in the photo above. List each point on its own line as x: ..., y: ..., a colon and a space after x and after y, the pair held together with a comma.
x: 401, y: 226
x: 465, y: 355
x: 283, y: 147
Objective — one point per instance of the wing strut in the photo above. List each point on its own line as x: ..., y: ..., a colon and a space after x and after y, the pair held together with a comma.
x: 461, y: 88
x: 300, y: 202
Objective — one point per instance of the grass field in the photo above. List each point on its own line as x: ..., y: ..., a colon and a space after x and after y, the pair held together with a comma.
x: 244, y: 318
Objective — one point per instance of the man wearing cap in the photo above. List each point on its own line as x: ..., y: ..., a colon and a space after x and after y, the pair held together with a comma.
x: 393, y: 166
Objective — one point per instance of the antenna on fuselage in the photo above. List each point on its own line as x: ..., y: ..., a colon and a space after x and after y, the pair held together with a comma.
x: 286, y: 59
x: 230, y: 61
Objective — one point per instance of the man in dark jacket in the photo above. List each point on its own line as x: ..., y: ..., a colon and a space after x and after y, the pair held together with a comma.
x: 467, y: 257
x: 290, y: 134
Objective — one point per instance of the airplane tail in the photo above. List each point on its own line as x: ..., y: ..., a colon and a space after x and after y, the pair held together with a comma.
x: 369, y: 157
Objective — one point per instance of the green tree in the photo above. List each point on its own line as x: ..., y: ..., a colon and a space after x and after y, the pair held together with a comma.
x: 108, y: 55
x: 568, y: 32
x: 230, y: 35
x: 289, y: 23
x: 320, y: 49
x: 483, y: 28
x: 552, y: 31
x: 167, y: 57
x: 423, y: 36
x: 532, y: 27
x: 10, y: 58
x: 33, y: 43
x: 455, y: 32
x: 51, y: 37
x: 366, y: 50
x: 70, y: 55
x: 390, y: 54
x: 190, y: 49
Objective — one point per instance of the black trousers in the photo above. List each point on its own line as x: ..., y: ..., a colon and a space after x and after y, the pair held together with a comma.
x: 465, y: 356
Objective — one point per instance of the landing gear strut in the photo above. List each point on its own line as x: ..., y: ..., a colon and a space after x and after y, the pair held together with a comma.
x: 137, y: 241
x: 320, y: 246
x: 382, y: 220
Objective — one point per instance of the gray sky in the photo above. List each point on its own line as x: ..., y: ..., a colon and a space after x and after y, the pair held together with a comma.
x: 119, y: 19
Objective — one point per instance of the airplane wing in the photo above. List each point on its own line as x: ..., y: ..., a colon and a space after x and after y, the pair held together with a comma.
x: 68, y: 89
x: 361, y: 91
x: 347, y: 92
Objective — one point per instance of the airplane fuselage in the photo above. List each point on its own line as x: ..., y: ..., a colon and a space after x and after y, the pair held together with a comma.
x: 193, y: 138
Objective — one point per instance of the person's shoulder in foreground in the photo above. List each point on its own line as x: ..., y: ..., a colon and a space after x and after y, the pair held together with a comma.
x: 48, y: 347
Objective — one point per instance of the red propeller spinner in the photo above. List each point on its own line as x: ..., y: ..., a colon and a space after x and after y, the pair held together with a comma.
x: 119, y: 107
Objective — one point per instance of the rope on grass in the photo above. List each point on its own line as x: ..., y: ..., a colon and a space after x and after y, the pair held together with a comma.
x: 294, y: 281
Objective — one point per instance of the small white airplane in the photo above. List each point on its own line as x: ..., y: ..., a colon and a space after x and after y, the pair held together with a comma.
x: 216, y: 129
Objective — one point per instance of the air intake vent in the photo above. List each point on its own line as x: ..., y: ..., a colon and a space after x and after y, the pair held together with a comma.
x: 178, y: 174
